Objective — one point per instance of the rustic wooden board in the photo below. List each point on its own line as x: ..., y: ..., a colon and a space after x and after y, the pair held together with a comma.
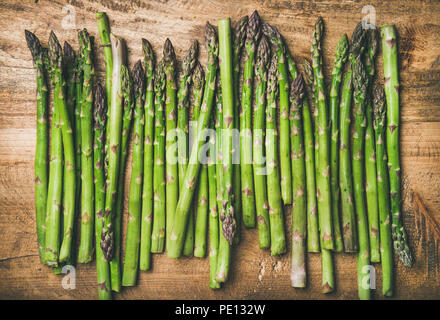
x: 255, y: 274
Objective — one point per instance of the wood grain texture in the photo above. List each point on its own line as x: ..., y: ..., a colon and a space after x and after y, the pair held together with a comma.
x: 255, y: 274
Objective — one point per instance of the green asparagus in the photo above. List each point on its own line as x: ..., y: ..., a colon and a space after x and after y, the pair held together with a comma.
x: 247, y: 184
x: 147, y: 192
x: 299, y: 207
x: 133, y: 234
x: 276, y: 218
x: 102, y: 265
x: 340, y: 59
x: 284, y: 136
x: 383, y: 188
x: 86, y: 246
x: 262, y: 60
x: 41, y: 156
x: 391, y: 76
x: 159, y: 214
x: 370, y: 154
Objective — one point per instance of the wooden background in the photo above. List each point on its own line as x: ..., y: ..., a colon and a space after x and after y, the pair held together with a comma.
x: 254, y: 274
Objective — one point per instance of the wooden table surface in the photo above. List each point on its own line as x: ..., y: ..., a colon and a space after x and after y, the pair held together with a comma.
x: 254, y: 273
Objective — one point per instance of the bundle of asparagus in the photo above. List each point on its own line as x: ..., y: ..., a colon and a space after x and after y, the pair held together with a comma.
x: 307, y: 164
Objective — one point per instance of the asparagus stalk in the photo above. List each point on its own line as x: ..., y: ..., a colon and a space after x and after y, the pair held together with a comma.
x: 383, y: 188
x: 340, y: 59
x: 102, y: 266
x: 69, y: 68
x: 127, y: 93
x: 198, y: 242
x: 284, y: 136
x: 218, y: 145
x: 323, y: 167
x: 370, y: 153
x: 85, y: 253
x: 202, y: 214
x: 228, y: 223
x: 186, y: 194
x: 262, y: 59
x: 239, y: 38
x: 41, y: 157
x: 363, y: 256
x: 345, y: 168
x: 171, y: 167
x: 189, y: 62
x: 131, y: 260
x: 327, y: 268
x: 68, y: 228
x: 54, y: 190
x: 56, y: 60
x: 299, y: 206
x: 77, y: 121
x: 247, y: 183
x: 391, y: 76
x: 114, y: 143
x: 147, y: 192
x: 276, y: 218
x: 159, y: 215
x: 213, y: 212
x: 104, y: 34
x: 309, y: 156
x: 197, y: 80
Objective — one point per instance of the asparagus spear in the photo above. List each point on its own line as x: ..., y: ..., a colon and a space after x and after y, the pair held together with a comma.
x: 228, y: 223
x: 77, y: 121
x: 202, y: 214
x: 340, y: 59
x: 85, y: 253
x: 147, y: 193
x: 299, y: 207
x: 159, y: 215
x: 127, y: 93
x: 104, y: 34
x: 370, y: 154
x: 218, y: 145
x: 171, y: 168
x: 197, y: 80
x: 186, y: 194
x: 247, y: 184
x: 262, y: 59
x: 327, y: 269
x: 56, y: 60
x: 54, y: 190
x: 189, y: 62
x: 363, y: 256
x: 213, y: 212
x: 276, y: 218
x: 391, y: 75
x: 198, y: 243
x: 41, y: 157
x: 239, y: 37
x: 309, y: 156
x: 383, y: 188
x: 114, y: 135
x: 69, y: 68
x: 102, y: 266
x: 323, y: 165
x: 283, y: 83
x: 131, y: 260
x: 345, y: 169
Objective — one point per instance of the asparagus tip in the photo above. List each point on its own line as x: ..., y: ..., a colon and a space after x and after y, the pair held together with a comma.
x: 33, y: 44
x: 138, y: 77
x: 297, y: 90
x: 190, y: 59
x: 99, y: 105
x: 198, y: 76
x: 263, y: 52
x: 253, y: 29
